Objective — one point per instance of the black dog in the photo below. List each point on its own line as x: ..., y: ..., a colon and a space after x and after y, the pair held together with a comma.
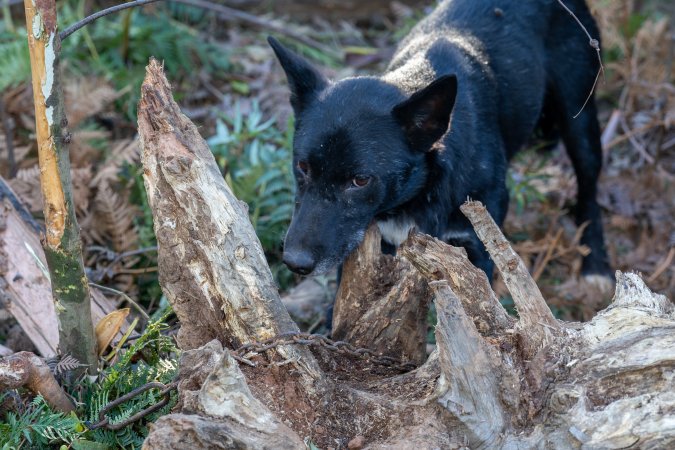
x: 463, y: 93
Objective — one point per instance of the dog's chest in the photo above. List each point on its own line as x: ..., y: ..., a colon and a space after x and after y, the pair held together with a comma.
x: 395, y: 230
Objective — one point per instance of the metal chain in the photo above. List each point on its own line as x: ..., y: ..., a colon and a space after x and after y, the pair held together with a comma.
x: 244, y: 354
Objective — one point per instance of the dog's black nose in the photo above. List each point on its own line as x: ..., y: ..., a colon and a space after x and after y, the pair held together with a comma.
x: 299, y: 262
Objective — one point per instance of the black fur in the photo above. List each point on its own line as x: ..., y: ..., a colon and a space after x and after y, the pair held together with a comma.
x: 463, y: 93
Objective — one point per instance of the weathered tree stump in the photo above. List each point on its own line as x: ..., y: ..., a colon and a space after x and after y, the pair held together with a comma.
x: 382, y: 302
x: 211, y: 265
x: 493, y: 381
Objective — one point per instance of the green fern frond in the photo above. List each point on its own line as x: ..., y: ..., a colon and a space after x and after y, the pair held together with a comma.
x: 159, y: 364
x: 38, y: 427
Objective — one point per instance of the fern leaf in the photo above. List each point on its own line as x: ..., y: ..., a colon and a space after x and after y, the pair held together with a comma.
x: 124, y: 151
x: 66, y: 364
x: 26, y: 184
x: 115, y: 219
x: 85, y: 97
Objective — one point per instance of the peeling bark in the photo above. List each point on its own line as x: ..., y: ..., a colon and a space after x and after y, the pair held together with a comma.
x: 62, y: 244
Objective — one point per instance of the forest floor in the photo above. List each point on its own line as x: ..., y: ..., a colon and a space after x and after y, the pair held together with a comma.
x: 636, y: 97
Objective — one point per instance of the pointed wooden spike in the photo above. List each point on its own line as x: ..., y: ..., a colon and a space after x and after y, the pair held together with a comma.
x: 535, y: 316
x: 212, y: 268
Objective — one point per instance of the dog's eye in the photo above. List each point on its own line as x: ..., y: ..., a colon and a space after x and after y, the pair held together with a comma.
x: 360, y: 181
x: 303, y: 167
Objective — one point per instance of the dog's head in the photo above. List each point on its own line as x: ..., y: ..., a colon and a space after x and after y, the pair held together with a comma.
x: 359, y: 150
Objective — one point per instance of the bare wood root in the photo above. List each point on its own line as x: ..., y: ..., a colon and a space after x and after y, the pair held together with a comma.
x: 536, y: 320
x: 218, y: 409
x: 24, y: 369
x: 619, y: 391
x: 381, y: 303
x: 437, y: 260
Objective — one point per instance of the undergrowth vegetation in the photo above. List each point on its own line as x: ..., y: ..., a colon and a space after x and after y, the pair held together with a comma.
x: 152, y: 357
x: 117, y: 49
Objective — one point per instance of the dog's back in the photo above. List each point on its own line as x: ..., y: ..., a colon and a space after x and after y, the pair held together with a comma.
x: 518, y: 64
x: 519, y: 49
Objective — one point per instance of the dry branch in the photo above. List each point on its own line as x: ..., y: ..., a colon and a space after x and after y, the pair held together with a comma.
x: 24, y: 369
x: 536, y: 320
x: 62, y: 242
x: 211, y: 265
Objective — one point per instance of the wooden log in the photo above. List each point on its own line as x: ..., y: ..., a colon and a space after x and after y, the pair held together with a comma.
x: 24, y: 369
x: 211, y: 265
x: 25, y: 287
x: 382, y: 303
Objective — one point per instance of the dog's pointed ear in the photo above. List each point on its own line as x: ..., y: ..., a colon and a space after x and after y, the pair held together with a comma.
x: 425, y: 116
x: 303, y: 79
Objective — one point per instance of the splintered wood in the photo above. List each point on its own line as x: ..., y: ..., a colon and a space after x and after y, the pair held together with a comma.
x: 381, y: 302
